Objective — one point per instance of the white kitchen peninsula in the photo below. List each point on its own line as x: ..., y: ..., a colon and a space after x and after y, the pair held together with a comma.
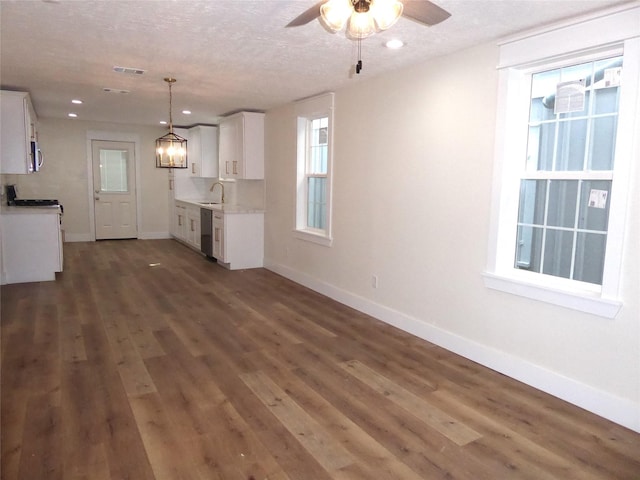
x: 31, y: 244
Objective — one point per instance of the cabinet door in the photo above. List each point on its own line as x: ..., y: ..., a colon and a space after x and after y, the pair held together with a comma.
x: 218, y: 237
x: 17, y: 126
x: 231, y: 151
x: 194, y: 152
x: 193, y: 227
x: 180, y: 222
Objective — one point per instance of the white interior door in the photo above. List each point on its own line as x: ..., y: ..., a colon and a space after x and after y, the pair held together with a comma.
x: 114, y: 188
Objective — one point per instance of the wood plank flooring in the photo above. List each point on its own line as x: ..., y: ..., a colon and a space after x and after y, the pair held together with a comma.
x: 187, y: 371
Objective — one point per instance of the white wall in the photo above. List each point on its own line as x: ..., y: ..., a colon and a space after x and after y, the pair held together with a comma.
x: 64, y: 175
x: 412, y: 190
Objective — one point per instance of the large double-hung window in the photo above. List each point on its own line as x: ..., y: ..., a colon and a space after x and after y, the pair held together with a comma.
x: 567, y: 138
x: 565, y: 186
x: 314, y: 162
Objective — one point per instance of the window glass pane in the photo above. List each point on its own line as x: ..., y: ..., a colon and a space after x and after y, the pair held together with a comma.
x: 533, y: 195
x: 541, y: 109
x: 572, y: 136
x: 605, y: 85
x: 318, y: 145
x: 589, y: 261
x: 529, y: 248
x: 594, y: 210
x: 603, y: 141
x: 316, y: 202
x: 557, y: 253
x: 543, y: 88
x: 113, y: 171
x: 606, y: 100
x: 563, y: 195
x: 540, y: 146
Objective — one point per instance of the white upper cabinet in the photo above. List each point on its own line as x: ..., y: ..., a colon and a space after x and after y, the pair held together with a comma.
x: 19, y: 148
x: 242, y: 146
x: 202, y: 151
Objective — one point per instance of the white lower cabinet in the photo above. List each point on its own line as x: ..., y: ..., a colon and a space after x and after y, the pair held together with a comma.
x: 31, y: 244
x: 186, y: 223
x: 193, y: 227
x: 218, y: 236
x: 238, y: 239
x: 179, y: 224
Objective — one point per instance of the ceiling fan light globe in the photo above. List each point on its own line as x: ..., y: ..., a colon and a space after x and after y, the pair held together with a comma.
x: 335, y: 13
x: 361, y: 25
x: 386, y: 12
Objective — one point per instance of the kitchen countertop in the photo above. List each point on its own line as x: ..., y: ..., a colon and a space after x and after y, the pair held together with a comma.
x: 221, y: 207
x: 7, y: 210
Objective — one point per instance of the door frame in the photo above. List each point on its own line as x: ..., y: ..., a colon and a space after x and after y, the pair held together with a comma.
x: 112, y: 137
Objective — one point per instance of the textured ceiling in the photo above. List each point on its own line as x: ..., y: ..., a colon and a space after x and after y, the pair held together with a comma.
x: 227, y: 55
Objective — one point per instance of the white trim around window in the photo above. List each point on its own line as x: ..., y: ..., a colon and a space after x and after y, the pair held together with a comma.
x: 317, y: 230
x: 612, y: 33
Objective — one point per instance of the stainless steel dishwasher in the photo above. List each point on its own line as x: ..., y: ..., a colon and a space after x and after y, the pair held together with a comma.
x: 206, y: 231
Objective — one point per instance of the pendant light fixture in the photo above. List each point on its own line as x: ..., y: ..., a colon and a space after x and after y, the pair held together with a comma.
x: 171, y: 149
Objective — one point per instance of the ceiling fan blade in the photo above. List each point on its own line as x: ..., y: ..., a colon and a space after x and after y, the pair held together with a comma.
x: 306, y: 16
x: 423, y: 11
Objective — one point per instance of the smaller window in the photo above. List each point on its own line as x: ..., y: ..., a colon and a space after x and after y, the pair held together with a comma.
x: 313, y: 204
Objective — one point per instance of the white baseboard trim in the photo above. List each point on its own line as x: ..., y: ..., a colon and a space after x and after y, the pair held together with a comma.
x: 619, y: 410
x: 86, y: 237
x: 154, y: 235
x: 77, y: 237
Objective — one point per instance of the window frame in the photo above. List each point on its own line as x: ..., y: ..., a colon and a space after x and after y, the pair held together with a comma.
x: 517, y: 66
x: 307, y: 111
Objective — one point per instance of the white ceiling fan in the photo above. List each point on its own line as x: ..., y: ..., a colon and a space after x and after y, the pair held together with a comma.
x: 363, y: 18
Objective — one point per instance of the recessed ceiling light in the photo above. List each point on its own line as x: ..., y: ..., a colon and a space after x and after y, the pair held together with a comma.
x: 186, y: 112
x: 163, y: 122
x: 72, y: 115
x: 76, y: 101
x: 394, y: 44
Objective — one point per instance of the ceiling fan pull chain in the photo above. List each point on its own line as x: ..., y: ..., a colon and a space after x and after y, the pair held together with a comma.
x: 359, y: 64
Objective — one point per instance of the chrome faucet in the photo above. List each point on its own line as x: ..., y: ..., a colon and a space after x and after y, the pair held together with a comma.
x: 221, y: 186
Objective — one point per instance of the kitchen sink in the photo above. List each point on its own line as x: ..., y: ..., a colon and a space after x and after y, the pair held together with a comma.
x: 209, y: 204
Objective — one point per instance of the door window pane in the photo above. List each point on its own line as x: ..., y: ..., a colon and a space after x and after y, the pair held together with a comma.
x: 113, y: 171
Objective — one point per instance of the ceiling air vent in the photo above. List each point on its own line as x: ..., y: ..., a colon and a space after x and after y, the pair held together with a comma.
x: 114, y: 90
x: 133, y: 71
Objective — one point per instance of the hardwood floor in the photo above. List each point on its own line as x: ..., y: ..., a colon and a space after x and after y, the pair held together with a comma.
x: 145, y: 361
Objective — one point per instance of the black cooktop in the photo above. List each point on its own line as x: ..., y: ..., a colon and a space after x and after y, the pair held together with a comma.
x: 34, y: 202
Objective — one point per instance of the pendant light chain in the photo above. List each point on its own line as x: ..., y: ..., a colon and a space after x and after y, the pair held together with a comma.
x: 170, y: 81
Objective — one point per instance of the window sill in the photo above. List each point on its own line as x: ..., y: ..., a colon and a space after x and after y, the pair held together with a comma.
x: 577, y: 300
x: 313, y: 237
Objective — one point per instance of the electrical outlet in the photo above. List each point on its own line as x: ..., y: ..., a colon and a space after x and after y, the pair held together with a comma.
x: 374, y: 281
